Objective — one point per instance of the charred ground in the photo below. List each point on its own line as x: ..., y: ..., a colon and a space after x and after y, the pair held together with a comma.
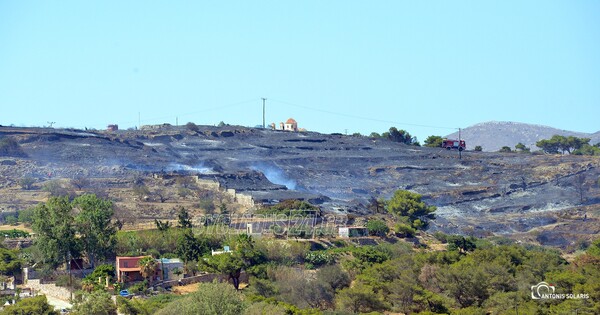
x: 551, y: 199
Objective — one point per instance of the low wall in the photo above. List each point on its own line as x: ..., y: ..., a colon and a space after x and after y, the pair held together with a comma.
x: 49, y: 289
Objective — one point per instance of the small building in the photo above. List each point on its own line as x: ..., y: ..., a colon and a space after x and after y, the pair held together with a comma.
x: 353, y: 231
x: 290, y: 125
x: 112, y: 127
x: 7, y: 285
x: 169, y: 268
x: 128, y: 269
x: 225, y: 250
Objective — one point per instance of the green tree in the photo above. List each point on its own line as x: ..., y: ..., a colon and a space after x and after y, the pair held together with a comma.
x: 561, y: 143
x: 9, y: 261
x: 374, y: 135
x: 31, y: 306
x: 183, y: 219
x: 434, y: 141
x: 401, y: 136
x: 96, y: 303
x: 93, y: 224
x: 408, y: 207
x: 521, y: 147
x: 359, y: 298
x: 56, y: 234
x: 189, y: 247
x: 56, y: 188
x: 27, y: 182
x: 404, y: 230
x: 230, y: 264
x: 148, y: 266
x: 377, y: 227
x: 505, y: 149
x: 478, y: 148
x: 209, y: 299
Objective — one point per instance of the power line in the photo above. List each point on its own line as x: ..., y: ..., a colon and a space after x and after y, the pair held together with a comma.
x: 360, y: 117
x: 188, y: 113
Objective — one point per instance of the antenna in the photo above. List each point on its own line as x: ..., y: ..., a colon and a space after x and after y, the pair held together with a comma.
x: 264, y: 100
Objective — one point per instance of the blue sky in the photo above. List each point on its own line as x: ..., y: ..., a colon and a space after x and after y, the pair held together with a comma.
x: 361, y: 66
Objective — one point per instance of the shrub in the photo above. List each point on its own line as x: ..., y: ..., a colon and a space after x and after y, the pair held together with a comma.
x: 377, y: 227
x: 26, y: 182
x: 192, y: 127
x: 404, y: 230
x: 317, y: 259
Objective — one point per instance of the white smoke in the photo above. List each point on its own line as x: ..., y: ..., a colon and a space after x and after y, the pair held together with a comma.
x: 275, y: 175
x: 198, y: 168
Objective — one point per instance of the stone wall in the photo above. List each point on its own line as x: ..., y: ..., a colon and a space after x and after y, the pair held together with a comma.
x: 49, y: 289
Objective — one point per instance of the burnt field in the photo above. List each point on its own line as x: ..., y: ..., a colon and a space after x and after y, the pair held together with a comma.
x: 546, y: 198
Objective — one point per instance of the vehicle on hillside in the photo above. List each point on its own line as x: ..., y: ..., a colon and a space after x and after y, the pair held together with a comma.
x: 454, y: 144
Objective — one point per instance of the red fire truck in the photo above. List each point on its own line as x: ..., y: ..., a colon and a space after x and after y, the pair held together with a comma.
x: 454, y: 144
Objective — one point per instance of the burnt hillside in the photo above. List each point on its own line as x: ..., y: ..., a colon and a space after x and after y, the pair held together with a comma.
x: 530, y: 196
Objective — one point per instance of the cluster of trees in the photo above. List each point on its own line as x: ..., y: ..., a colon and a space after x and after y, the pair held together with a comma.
x: 395, y: 135
x: 66, y: 229
x: 572, y: 145
x: 472, y: 276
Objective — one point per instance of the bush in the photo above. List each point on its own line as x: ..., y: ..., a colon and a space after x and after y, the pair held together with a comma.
x: 404, y: 230
x: 25, y: 216
x: 377, y: 227
x: 26, y: 182
x: 192, y: 127
x: 320, y: 258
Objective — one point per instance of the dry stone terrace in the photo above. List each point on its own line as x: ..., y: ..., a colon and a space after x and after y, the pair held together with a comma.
x: 483, y: 193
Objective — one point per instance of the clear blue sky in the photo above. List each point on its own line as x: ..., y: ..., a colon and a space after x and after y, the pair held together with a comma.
x: 332, y: 65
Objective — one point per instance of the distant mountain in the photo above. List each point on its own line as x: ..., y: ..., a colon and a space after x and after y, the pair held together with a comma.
x: 493, y: 135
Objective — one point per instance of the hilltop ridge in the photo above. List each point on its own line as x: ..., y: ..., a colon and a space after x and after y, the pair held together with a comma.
x: 523, y: 195
x: 493, y: 135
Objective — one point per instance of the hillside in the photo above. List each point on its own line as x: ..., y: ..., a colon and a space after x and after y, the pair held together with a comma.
x: 549, y: 199
x: 493, y: 135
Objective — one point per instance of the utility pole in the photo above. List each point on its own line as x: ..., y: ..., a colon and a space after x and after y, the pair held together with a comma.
x: 176, y: 121
x: 264, y: 100
x: 139, y: 120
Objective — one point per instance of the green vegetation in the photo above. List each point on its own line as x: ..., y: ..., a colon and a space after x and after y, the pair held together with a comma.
x: 519, y: 147
x: 291, y: 207
x: 401, y: 136
x: 478, y: 148
x: 395, y: 135
x: 96, y: 303
x: 462, y: 275
x: 58, y: 221
x: 27, y: 182
x: 211, y: 298
x: 408, y: 208
x: 377, y: 227
x: 561, y: 144
x: 31, y: 306
x: 434, y: 141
